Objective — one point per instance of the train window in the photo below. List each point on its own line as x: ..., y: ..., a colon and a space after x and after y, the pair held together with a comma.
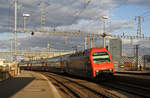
x: 100, y: 57
x: 54, y: 59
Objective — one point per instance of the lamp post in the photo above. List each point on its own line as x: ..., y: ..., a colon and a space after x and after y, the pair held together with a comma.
x: 25, y: 17
x: 15, y: 24
x: 104, y: 33
x: 48, y: 48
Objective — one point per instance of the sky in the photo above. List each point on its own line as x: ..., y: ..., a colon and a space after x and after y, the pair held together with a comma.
x: 74, y: 15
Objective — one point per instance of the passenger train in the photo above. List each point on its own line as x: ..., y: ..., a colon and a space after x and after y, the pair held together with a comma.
x: 91, y: 63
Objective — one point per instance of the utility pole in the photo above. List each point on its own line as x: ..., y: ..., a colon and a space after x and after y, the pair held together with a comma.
x: 137, y: 55
x: 91, y: 42
x: 11, y: 47
x: 85, y: 43
x: 66, y: 39
x: 15, y: 24
x: 48, y: 47
x: 104, y: 32
x: 43, y: 16
x: 139, y: 28
x: 88, y: 42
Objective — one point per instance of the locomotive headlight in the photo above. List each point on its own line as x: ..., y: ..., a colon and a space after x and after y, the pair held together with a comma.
x: 111, y: 70
x: 97, y: 71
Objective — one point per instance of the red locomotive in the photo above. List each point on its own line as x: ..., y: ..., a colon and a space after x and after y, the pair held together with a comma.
x: 91, y: 63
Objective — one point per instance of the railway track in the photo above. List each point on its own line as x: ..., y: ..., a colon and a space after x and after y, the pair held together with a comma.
x: 76, y: 87
x: 130, y: 89
x: 72, y: 87
x: 137, y: 89
x: 141, y: 80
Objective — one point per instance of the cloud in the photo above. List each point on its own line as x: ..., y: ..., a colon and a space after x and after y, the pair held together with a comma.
x: 117, y: 25
x: 135, y: 2
x: 66, y: 15
x: 62, y: 12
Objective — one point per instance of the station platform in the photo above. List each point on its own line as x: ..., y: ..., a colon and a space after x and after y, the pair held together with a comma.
x: 143, y: 72
x: 28, y: 85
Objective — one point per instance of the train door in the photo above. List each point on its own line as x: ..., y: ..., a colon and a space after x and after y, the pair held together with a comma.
x: 42, y: 66
x: 61, y: 65
x: 31, y: 66
x: 27, y: 66
x: 88, y: 67
x: 67, y: 66
x: 46, y: 66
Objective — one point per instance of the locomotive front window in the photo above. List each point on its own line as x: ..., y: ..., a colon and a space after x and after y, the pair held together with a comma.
x: 100, y: 57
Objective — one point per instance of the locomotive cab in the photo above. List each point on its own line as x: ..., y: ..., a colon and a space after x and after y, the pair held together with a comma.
x: 101, y: 62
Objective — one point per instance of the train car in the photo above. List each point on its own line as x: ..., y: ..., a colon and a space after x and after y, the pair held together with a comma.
x: 93, y: 63
x: 36, y: 65
x: 54, y: 64
x: 79, y: 64
x: 24, y: 65
x: 64, y: 62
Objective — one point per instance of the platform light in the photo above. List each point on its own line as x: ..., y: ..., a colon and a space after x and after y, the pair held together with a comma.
x: 26, y: 15
x: 105, y: 17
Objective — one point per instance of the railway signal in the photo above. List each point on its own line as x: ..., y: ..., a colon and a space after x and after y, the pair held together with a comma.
x: 32, y: 33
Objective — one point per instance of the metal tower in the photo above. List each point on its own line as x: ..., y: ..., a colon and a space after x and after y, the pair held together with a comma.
x: 43, y: 5
x: 139, y: 28
x: 15, y: 24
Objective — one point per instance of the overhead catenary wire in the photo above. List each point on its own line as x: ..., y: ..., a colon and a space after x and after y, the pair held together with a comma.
x: 78, y: 13
x: 146, y: 13
x: 147, y: 16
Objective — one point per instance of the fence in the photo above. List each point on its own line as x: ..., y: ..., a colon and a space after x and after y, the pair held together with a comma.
x: 4, y: 76
x: 131, y: 63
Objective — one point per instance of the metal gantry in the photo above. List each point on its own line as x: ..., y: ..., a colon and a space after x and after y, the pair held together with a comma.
x: 81, y: 34
x: 74, y: 34
x: 132, y: 37
x: 90, y: 36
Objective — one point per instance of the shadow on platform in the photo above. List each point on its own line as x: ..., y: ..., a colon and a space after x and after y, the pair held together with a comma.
x: 11, y: 86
